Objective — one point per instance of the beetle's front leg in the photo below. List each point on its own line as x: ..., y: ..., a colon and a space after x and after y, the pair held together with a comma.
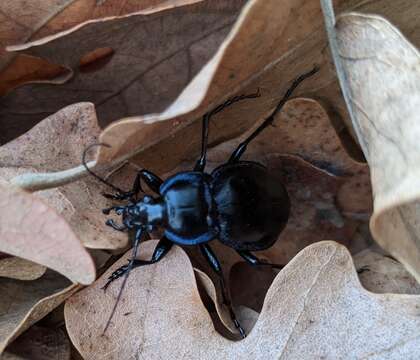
x: 119, y: 196
x: 159, y: 253
x: 151, y: 180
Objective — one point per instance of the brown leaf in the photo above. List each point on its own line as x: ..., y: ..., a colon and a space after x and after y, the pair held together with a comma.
x: 23, y: 303
x: 20, y: 269
x: 376, y: 64
x: 22, y: 22
x: 267, y: 60
x: 161, y: 315
x: 155, y: 53
x: 31, y: 230
x: 25, y: 69
x: 257, y: 280
x: 39, y: 343
x: 215, y: 296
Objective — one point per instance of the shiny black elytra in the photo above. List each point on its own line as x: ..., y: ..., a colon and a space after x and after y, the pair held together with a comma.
x: 239, y: 203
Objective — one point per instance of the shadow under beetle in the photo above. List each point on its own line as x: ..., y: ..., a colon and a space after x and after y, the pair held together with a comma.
x: 239, y: 203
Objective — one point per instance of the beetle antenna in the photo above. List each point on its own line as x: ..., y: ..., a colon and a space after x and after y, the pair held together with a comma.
x: 116, y: 188
x: 137, y: 239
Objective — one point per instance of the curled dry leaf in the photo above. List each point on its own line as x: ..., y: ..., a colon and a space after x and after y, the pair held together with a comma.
x: 31, y: 230
x: 249, y: 284
x: 57, y: 143
x: 20, y: 269
x: 280, y: 41
x: 376, y: 64
x: 215, y: 296
x: 151, y: 57
x: 318, y: 292
x: 380, y: 273
x: 23, y: 303
x: 40, y: 343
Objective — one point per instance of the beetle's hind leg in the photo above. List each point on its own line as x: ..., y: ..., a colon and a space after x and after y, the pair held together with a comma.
x: 201, y: 162
x: 215, y: 265
x: 161, y: 250
x: 270, y: 119
x: 253, y: 260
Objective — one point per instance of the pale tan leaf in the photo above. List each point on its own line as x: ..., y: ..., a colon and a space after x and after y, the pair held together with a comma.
x: 40, y: 343
x: 381, y: 74
x: 316, y: 297
x: 32, y: 230
x: 20, y: 269
x: 57, y: 143
x: 23, y: 303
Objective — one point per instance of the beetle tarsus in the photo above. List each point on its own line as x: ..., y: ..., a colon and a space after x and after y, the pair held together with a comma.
x: 240, y: 328
x: 115, y: 226
x: 118, y: 196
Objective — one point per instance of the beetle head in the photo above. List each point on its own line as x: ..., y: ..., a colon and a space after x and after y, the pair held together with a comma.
x: 147, y: 213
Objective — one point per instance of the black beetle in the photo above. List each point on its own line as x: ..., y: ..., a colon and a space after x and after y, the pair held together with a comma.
x: 239, y: 203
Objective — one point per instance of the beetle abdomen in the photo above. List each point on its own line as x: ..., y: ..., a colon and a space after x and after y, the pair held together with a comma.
x: 253, y: 207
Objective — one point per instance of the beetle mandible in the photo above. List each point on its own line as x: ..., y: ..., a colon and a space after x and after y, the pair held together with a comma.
x: 239, y: 203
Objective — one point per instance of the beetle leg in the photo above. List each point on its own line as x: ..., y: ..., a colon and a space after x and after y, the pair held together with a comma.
x: 159, y: 253
x: 152, y: 181
x: 253, y: 260
x: 215, y: 265
x: 117, y: 209
x: 236, y: 155
x: 118, y: 196
x: 115, y: 226
x: 201, y: 162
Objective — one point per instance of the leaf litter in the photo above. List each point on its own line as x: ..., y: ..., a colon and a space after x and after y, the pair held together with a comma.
x: 405, y: 303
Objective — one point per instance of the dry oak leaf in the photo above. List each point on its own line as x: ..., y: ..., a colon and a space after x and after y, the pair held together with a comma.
x: 381, y: 273
x: 314, y: 298
x: 265, y: 34
x: 40, y: 343
x: 280, y: 40
x: 32, y: 230
x: 57, y: 143
x: 380, y: 75
x: 152, y: 55
x: 23, y: 303
x: 20, y: 269
x: 21, y: 21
